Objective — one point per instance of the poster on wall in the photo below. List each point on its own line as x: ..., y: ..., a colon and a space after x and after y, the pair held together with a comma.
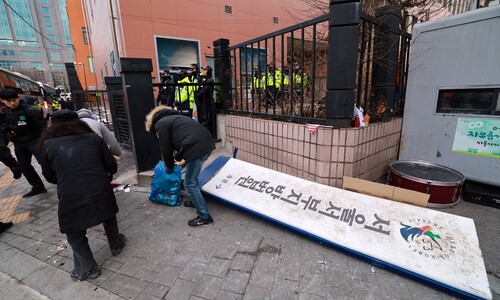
x: 477, y: 137
x: 175, y: 54
x: 252, y: 57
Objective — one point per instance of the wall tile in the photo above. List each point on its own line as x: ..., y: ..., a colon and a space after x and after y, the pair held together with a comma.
x: 324, y: 153
x: 324, y: 135
x: 351, y: 138
x: 335, y: 136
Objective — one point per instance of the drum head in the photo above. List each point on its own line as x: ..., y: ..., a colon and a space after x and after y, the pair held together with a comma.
x: 427, y: 171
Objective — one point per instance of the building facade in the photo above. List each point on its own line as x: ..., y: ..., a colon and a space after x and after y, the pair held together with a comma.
x: 81, y: 43
x: 35, y: 39
x: 176, y: 33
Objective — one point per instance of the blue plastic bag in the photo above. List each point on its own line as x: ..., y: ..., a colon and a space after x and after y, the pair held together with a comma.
x: 166, y: 188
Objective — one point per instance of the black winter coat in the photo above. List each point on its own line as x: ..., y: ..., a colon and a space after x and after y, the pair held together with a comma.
x: 188, y: 138
x: 24, y: 124
x: 80, y: 165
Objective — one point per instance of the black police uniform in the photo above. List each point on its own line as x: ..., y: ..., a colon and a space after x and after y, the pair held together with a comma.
x: 23, y: 126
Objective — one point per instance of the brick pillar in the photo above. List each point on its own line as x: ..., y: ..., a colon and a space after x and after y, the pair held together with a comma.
x: 386, y: 53
x: 139, y: 100
x: 222, y: 72
x: 342, y: 62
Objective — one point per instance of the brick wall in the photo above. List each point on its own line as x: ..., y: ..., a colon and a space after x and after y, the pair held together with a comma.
x: 325, y: 156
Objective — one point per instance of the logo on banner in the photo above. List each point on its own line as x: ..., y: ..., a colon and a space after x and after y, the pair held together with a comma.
x: 428, y: 239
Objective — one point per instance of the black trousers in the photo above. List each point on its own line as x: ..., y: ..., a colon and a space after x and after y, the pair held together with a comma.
x: 24, y: 153
x: 82, y: 254
x: 7, y: 158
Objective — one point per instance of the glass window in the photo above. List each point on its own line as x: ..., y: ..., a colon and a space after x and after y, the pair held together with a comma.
x: 228, y: 9
x: 22, y: 22
x: 6, y: 42
x: 45, y: 10
x: 47, y: 19
x: 57, y: 66
x: 53, y: 46
x: 55, y: 55
x: 5, y: 52
x: 5, y: 33
x: 27, y: 44
x: 90, y: 61
x: 51, y: 37
x: 49, y: 28
x: 469, y: 101
x: 276, y: 20
x: 65, y: 21
x: 30, y: 53
x: 45, y: 1
x: 85, y: 36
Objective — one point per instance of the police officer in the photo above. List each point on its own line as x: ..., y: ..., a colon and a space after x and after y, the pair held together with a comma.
x: 166, y: 95
x: 205, y: 100
x: 194, y: 76
x: 55, y: 103
x: 299, y: 80
x: 24, y: 125
x: 273, y: 84
x: 184, y: 94
x: 5, y: 155
x: 257, y: 84
x: 186, y: 97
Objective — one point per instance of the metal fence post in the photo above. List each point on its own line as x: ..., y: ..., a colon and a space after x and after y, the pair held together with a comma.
x: 113, y: 85
x: 386, y: 50
x: 342, y: 61
x: 139, y: 100
x: 222, y: 72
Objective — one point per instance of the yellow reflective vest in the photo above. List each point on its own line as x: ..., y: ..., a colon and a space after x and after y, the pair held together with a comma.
x: 257, y: 82
x: 298, y: 79
x: 55, y: 104
x: 186, y: 92
x: 274, y: 79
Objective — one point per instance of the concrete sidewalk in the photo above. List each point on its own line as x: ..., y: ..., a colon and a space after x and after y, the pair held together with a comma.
x: 239, y: 257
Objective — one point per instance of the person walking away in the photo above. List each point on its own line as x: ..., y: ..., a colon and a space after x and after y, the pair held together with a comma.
x: 109, y: 138
x: 191, y: 142
x: 166, y: 94
x: 79, y: 162
x: 23, y: 126
x: 205, y: 100
x: 5, y: 155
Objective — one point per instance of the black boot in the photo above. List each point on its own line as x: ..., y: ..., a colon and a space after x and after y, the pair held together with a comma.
x: 16, y: 171
x: 35, y: 191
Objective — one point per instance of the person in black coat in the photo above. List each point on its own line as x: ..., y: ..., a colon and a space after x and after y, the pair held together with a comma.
x: 205, y: 100
x: 79, y: 162
x: 191, y: 142
x: 166, y: 95
x: 23, y: 126
x: 5, y: 155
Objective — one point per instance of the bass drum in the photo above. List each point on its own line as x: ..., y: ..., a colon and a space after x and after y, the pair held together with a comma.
x: 443, y: 184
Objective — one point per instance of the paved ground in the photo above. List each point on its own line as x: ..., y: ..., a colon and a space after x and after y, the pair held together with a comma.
x: 240, y: 257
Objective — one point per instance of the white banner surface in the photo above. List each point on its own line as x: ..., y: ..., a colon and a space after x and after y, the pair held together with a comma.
x: 438, y: 247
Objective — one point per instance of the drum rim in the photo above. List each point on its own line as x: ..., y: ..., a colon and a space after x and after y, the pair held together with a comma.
x: 420, y: 180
